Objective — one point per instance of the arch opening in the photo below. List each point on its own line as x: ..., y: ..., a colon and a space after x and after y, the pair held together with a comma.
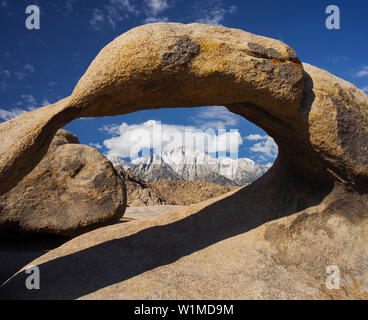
x: 204, y: 143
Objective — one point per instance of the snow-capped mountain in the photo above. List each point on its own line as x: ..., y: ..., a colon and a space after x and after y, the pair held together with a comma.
x: 115, y: 160
x: 192, y: 165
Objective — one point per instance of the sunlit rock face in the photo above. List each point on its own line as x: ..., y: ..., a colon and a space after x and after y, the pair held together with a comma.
x: 272, y: 239
x: 74, y: 189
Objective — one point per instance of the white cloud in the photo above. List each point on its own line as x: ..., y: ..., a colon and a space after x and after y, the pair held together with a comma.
x: 335, y: 59
x: 96, y: 145
x: 217, y: 117
x: 97, y: 19
x: 254, y: 137
x: 29, y: 68
x: 3, y: 4
x: 28, y: 103
x: 112, y: 129
x: 116, y: 11
x: 362, y: 73
x: 112, y: 13
x: 155, y: 19
x: 157, y: 6
x: 131, y: 139
x: 124, y: 4
x: 6, y: 73
x: 4, y: 77
x: 69, y: 6
x: 216, y: 13
x: 45, y: 102
x: 20, y: 75
x: 52, y: 84
x: 6, y: 115
x: 365, y: 89
x: 267, y: 146
x: 28, y: 100
x: 154, y: 8
x: 64, y: 8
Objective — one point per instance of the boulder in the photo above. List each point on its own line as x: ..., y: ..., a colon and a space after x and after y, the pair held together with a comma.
x: 24, y: 140
x: 73, y: 189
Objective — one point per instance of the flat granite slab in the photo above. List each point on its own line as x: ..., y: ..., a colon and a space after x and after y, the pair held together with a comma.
x: 16, y: 252
x: 147, y: 212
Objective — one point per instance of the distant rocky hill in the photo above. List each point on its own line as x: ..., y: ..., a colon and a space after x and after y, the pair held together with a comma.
x: 192, y: 165
x: 171, y: 192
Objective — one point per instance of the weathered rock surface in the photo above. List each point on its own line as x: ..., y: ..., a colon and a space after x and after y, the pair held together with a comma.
x: 337, y: 116
x: 74, y: 189
x: 169, y: 64
x: 24, y: 140
x: 146, y: 212
x: 161, y: 65
x: 138, y: 191
x: 207, y: 251
x: 186, y: 193
x: 316, y: 192
x: 171, y: 192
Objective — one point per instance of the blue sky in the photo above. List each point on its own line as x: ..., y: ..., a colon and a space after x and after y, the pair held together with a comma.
x: 38, y: 67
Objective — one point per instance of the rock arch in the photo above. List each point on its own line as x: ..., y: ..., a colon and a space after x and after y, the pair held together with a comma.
x: 318, y: 120
x: 317, y: 188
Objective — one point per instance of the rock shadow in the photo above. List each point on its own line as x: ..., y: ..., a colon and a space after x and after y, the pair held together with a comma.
x: 78, y: 274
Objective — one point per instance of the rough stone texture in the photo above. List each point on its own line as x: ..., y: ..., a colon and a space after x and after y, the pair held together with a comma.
x: 138, y: 191
x: 181, y: 192
x: 185, y: 50
x: 338, y: 126
x: 316, y: 192
x: 207, y: 251
x: 171, y: 64
x: 172, y: 192
x: 137, y: 213
x: 161, y: 65
x: 24, y: 140
x: 74, y: 189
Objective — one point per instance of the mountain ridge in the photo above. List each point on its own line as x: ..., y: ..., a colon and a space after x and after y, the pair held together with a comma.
x: 185, y: 163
